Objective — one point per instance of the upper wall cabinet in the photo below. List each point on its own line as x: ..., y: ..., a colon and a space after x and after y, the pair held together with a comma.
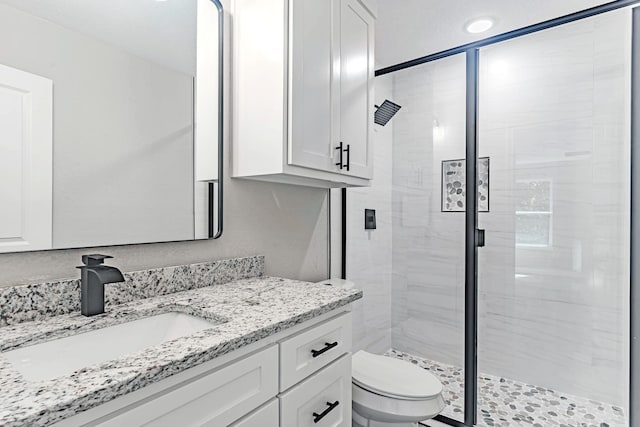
x: 303, y: 91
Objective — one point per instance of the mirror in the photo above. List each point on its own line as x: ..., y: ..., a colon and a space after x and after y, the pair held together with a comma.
x: 110, y: 122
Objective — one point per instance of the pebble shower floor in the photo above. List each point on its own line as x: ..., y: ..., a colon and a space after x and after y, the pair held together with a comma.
x: 507, y: 403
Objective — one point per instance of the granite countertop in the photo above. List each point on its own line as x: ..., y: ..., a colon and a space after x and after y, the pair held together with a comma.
x: 250, y: 310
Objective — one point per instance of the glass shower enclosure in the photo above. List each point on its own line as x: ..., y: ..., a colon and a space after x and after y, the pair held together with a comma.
x: 511, y: 223
x: 553, y: 276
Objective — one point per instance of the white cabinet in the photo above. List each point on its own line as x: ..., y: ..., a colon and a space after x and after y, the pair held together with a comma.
x: 307, y: 352
x: 356, y: 88
x: 217, y: 399
x: 303, y: 91
x: 276, y: 382
x: 312, y: 77
x: 323, y: 399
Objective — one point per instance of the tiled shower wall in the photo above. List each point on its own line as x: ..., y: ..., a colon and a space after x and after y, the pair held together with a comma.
x: 428, y: 245
x: 553, y: 108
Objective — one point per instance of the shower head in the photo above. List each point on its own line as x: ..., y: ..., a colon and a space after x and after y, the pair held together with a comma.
x: 385, y: 112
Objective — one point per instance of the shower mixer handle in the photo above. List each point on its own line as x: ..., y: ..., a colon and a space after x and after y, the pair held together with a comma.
x: 340, y: 150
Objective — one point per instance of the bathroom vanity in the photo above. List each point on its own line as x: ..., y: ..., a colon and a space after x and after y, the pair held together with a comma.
x: 258, y: 351
x: 279, y: 380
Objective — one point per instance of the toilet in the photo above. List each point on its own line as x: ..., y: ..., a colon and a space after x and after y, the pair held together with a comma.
x: 389, y: 392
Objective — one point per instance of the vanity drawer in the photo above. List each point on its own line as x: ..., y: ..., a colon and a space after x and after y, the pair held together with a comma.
x: 267, y: 416
x: 215, y: 399
x: 322, y: 400
x: 309, y: 351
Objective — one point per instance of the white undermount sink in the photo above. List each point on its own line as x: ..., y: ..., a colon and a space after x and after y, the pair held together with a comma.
x: 65, y: 355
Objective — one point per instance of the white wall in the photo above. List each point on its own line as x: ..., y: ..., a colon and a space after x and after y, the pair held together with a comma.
x: 369, y: 252
x: 553, y: 106
x: 288, y: 224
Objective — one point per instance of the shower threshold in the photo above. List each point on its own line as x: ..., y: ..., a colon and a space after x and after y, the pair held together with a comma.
x: 507, y: 403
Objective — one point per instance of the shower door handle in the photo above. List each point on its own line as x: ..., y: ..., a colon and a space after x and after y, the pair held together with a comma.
x: 480, y: 238
x: 340, y: 150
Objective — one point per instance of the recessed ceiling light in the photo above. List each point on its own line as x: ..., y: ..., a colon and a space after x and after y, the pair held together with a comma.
x: 479, y: 25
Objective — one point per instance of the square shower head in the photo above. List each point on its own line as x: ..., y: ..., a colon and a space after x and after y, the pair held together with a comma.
x: 385, y: 112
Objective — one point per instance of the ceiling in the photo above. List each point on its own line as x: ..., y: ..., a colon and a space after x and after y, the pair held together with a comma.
x: 165, y: 31
x: 409, y: 29
x: 160, y: 31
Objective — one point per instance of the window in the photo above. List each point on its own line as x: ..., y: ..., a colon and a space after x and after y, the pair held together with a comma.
x: 533, y: 213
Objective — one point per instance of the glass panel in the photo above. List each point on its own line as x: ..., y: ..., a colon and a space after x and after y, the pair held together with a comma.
x: 533, y: 229
x: 553, y: 277
x: 428, y: 222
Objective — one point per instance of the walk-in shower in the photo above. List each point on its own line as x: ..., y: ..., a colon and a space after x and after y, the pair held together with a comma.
x: 531, y: 326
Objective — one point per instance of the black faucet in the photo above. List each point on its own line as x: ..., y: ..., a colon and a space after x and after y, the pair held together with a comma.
x: 93, y: 278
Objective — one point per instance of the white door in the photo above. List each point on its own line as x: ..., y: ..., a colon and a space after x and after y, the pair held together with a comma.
x: 356, y: 88
x: 311, y: 77
x: 26, y: 116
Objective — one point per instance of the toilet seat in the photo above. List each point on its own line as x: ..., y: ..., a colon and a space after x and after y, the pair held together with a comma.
x: 393, y: 378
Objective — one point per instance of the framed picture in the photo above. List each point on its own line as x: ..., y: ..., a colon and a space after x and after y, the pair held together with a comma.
x: 454, y: 185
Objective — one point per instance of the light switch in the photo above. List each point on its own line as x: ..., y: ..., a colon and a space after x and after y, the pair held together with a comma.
x: 369, y: 219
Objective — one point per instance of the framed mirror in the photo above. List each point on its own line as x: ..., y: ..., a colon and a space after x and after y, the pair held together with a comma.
x: 110, y: 122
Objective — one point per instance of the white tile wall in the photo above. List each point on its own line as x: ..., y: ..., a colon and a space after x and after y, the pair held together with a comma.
x: 554, y: 106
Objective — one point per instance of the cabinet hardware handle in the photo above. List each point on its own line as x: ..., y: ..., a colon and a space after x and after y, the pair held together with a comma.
x: 340, y: 150
x: 348, y: 151
x: 327, y: 346
x: 317, y: 417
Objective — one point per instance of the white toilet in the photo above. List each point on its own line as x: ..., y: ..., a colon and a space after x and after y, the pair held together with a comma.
x: 389, y: 392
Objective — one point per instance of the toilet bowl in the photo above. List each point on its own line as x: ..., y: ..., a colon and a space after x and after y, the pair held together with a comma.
x: 390, y: 392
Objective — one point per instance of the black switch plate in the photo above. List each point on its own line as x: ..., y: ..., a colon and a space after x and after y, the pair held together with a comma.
x: 369, y: 219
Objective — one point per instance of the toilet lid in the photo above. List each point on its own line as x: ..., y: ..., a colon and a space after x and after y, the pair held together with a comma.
x: 393, y: 377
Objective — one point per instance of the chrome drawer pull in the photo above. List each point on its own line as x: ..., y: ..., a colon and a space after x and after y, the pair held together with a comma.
x: 327, y: 347
x: 318, y: 417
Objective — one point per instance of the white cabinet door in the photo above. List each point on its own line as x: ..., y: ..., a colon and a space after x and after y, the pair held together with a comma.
x: 322, y: 400
x: 356, y: 87
x: 26, y: 144
x: 311, y: 69
x: 311, y: 350
x: 216, y: 399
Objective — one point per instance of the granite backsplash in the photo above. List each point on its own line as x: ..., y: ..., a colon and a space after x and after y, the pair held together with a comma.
x: 41, y: 300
